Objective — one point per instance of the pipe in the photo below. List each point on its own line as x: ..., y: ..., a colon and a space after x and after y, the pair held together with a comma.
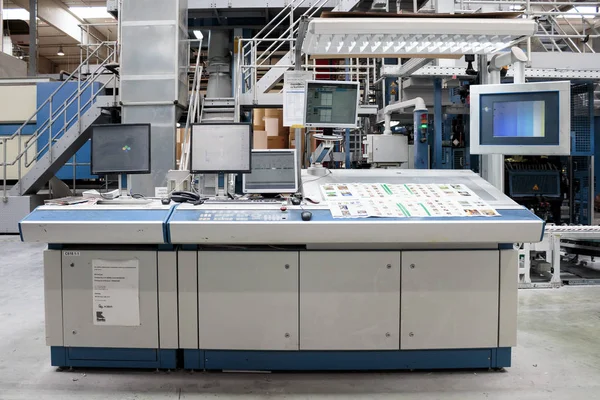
x: 33, y: 14
x: 418, y: 103
x: 501, y: 60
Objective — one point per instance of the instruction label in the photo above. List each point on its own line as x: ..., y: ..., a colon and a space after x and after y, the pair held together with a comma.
x: 294, y: 97
x: 116, y: 293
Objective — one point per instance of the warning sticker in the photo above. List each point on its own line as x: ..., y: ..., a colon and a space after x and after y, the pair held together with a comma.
x: 116, y: 293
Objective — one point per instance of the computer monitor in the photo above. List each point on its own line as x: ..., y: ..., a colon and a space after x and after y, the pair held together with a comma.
x: 521, y: 119
x: 273, y: 171
x: 120, y: 149
x: 221, y: 147
x: 331, y: 104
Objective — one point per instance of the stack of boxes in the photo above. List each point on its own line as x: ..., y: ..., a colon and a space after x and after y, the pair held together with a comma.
x: 269, y: 132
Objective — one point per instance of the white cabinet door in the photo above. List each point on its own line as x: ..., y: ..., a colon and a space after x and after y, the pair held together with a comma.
x: 349, y: 300
x: 449, y: 299
x: 248, y: 300
x: 83, y: 316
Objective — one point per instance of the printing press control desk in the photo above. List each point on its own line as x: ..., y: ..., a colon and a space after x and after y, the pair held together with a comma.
x: 394, y: 269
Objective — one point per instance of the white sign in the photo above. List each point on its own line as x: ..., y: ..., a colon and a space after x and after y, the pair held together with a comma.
x: 116, y: 293
x: 294, y: 97
x: 161, y: 192
x: 72, y: 254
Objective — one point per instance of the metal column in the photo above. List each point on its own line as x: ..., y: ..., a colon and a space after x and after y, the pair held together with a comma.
x: 437, y: 123
x: 492, y: 166
x: 33, y: 54
x: 154, y: 81
x: 1, y: 26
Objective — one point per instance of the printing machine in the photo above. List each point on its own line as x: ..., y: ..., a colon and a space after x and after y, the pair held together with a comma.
x: 243, y: 285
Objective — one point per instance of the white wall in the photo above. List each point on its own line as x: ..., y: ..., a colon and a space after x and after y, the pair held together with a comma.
x: 12, y: 67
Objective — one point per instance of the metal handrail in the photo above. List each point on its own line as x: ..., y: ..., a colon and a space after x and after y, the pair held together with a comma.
x: 54, y: 117
x: 112, y: 50
x: 248, y: 48
x: 51, y: 97
x: 66, y: 123
x: 294, y: 27
x: 192, y: 114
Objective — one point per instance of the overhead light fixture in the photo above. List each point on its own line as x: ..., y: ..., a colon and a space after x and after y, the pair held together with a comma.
x: 379, y: 37
x: 91, y: 12
x: 15, y: 13
x: 60, y: 51
x: 198, y: 35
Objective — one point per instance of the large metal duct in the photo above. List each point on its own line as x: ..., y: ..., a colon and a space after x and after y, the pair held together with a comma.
x: 154, y: 82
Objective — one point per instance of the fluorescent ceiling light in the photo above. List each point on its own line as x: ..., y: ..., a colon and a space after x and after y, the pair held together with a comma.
x: 198, y: 35
x: 378, y: 37
x: 91, y: 12
x: 15, y: 13
x: 580, y: 11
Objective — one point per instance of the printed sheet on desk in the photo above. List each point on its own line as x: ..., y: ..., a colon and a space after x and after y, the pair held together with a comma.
x: 363, y: 200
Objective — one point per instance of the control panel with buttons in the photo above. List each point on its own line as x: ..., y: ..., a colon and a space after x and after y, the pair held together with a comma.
x: 243, y: 215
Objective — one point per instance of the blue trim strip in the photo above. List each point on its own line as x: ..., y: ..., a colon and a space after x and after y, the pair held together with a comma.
x: 21, y: 232
x: 350, y: 360
x: 113, y: 357
x: 166, y: 230
x: 543, y: 230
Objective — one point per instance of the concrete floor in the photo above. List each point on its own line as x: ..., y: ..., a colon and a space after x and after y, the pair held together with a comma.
x: 558, y: 356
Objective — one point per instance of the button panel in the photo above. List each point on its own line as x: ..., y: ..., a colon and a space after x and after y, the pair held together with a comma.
x: 242, y: 215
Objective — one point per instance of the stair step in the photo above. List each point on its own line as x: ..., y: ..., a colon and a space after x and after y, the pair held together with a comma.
x: 218, y: 109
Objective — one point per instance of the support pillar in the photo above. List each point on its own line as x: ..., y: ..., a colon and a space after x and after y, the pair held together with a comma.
x: 33, y: 53
x: 154, y: 82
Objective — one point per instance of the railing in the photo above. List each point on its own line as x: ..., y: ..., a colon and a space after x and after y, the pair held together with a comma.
x: 193, y: 113
x: 556, y: 15
x: 60, y: 113
x: 251, y: 50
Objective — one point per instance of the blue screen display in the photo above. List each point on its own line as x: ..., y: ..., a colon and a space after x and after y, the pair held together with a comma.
x: 519, y: 119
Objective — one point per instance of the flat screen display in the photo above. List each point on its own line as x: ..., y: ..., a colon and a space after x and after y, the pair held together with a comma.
x: 520, y: 119
x: 120, y: 149
x: 273, y: 171
x: 221, y: 148
x: 331, y: 104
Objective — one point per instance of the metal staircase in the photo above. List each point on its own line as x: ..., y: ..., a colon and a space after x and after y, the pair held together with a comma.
x: 65, y: 133
x: 218, y: 110
x: 258, y: 75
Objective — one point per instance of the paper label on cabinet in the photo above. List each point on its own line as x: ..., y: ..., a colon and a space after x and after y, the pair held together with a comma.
x: 116, y: 293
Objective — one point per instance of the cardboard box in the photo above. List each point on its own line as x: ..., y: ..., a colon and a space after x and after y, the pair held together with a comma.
x: 260, y: 140
x: 277, y: 142
x: 272, y: 126
x: 277, y: 113
x: 258, y: 119
x: 179, y: 136
x: 273, y: 113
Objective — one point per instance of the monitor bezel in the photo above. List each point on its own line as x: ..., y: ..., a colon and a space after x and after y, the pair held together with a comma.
x: 105, y: 173
x: 563, y: 88
x: 229, y: 171
x: 331, y: 125
x: 269, y: 191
